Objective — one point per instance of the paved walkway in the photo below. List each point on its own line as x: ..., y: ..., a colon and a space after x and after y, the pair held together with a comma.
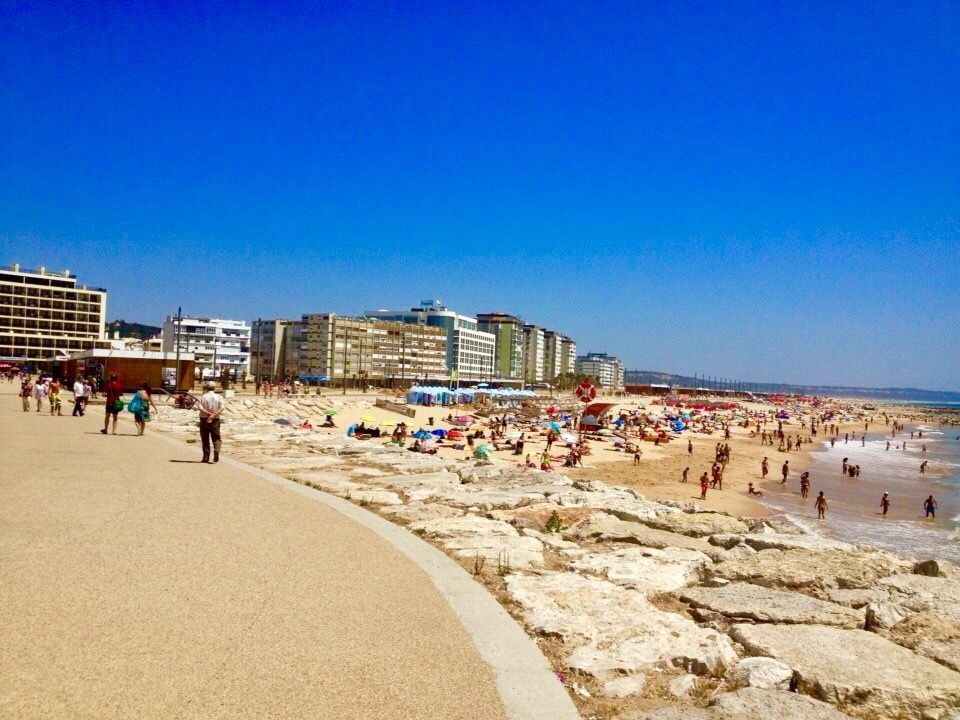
x: 136, y: 582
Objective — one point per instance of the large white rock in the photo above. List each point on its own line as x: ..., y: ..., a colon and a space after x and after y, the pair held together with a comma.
x: 785, y: 541
x: 814, y: 571
x: 375, y: 497
x: 417, y: 512
x: 697, y: 524
x: 760, y: 672
x: 471, y: 536
x: 864, y: 673
x: 745, y: 601
x: 649, y: 570
x: 760, y: 704
x: 606, y: 527
x: 615, y: 630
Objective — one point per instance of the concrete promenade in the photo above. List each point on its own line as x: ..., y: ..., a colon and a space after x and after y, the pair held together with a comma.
x: 136, y: 582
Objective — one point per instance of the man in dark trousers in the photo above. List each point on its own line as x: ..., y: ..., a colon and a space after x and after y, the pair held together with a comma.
x: 210, y: 406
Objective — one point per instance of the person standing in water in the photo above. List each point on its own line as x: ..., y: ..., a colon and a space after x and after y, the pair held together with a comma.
x: 930, y: 507
x: 923, y: 468
x: 844, y: 470
x: 885, y: 502
x: 805, y: 485
x: 821, y: 506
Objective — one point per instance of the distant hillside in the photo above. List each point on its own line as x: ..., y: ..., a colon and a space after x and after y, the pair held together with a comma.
x: 890, y: 394
x: 132, y: 329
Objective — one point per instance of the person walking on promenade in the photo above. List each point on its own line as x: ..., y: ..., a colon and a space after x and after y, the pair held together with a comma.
x: 141, y: 402
x: 210, y: 406
x: 55, y: 405
x: 79, y: 389
x: 930, y: 507
x: 821, y: 506
x: 112, y: 393
x: 26, y: 392
x: 39, y: 393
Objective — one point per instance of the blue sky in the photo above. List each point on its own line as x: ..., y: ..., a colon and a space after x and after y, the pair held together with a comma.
x: 768, y: 191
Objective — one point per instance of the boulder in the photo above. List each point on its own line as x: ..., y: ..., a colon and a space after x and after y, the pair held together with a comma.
x: 470, y: 536
x: 792, y: 541
x: 476, y: 496
x: 612, y: 630
x: 607, y: 528
x: 682, y: 686
x: 813, y: 571
x: 744, y: 601
x: 856, y: 598
x: 417, y: 512
x: 932, y: 635
x: 375, y: 497
x: 930, y: 568
x: 745, y: 704
x: 624, y: 504
x: 649, y: 570
x: 550, y: 539
x: 883, y: 614
x: 697, y: 524
x: 760, y: 672
x: 758, y: 704
x: 535, y: 516
x: 867, y: 675
x: 622, y: 687
x: 725, y: 540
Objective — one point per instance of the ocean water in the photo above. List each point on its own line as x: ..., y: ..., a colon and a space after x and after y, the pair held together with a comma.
x: 854, y: 513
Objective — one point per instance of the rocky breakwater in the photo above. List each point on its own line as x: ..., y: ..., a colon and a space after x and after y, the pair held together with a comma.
x: 652, y: 609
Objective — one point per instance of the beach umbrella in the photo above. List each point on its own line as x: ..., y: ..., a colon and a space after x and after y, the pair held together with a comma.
x: 483, y: 451
x: 464, y: 418
x: 439, y: 432
x: 422, y: 435
x: 455, y: 435
x: 555, y: 427
x: 330, y: 412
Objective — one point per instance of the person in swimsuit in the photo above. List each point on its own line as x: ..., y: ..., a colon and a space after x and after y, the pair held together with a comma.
x: 764, y: 469
x: 821, y: 506
x: 885, y: 503
x: 930, y: 507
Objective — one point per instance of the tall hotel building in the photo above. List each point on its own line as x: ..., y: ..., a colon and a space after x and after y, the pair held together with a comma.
x: 46, y: 315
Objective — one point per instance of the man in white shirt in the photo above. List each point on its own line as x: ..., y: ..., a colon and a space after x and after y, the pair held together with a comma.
x: 78, y: 394
x: 211, y: 406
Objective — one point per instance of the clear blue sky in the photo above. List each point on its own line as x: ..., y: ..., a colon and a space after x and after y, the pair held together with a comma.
x: 767, y: 191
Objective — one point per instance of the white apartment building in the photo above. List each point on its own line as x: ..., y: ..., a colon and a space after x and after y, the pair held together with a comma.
x: 470, y: 351
x: 606, y: 370
x: 568, y: 356
x: 46, y: 314
x: 553, y: 355
x: 216, y: 344
x: 534, y: 354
